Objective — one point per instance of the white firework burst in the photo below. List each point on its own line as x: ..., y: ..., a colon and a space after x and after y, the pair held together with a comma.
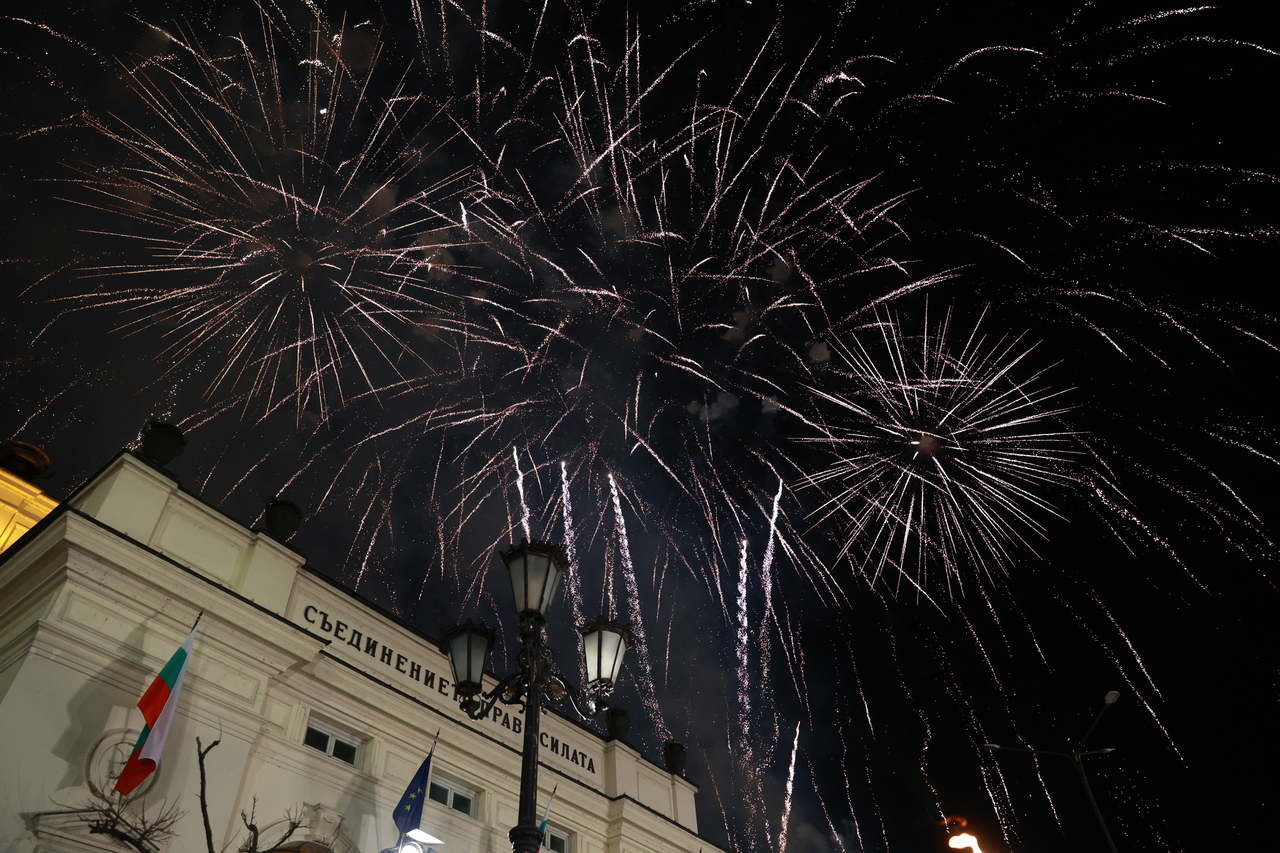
x: 949, y: 451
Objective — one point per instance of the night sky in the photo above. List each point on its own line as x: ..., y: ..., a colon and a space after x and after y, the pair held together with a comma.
x: 659, y: 267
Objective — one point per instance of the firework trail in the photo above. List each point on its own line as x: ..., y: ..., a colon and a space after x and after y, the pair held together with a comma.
x: 571, y: 551
x: 659, y: 276
x: 768, y: 621
x: 647, y: 687
x: 750, y: 767
x: 524, y: 504
x: 786, y: 800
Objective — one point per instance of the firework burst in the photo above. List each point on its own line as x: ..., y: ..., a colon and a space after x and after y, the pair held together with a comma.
x: 289, y: 208
x: 948, y: 448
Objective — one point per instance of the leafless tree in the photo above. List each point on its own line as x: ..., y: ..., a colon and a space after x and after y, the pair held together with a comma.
x: 113, y: 816
x: 253, y: 843
x: 128, y: 823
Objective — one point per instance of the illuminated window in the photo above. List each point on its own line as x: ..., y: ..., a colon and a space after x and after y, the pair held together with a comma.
x: 453, y: 796
x: 326, y: 738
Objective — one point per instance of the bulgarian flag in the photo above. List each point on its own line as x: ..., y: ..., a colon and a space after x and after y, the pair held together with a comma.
x: 157, y: 705
x: 546, y: 814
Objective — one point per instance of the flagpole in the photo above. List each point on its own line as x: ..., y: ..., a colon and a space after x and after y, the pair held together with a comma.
x: 408, y: 812
x: 546, y: 814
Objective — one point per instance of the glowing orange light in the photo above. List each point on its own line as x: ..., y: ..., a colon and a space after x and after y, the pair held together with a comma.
x: 964, y: 839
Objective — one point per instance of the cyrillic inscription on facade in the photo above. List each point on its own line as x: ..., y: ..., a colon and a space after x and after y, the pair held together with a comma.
x: 387, y: 658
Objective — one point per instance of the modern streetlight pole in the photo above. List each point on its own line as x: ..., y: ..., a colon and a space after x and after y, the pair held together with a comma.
x: 1076, y: 757
x: 536, y: 570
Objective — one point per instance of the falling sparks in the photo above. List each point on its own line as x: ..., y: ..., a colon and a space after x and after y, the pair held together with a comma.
x: 571, y: 552
x: 524, y: 504
x: 647, y: 687
x: 786, y: 800
x: 744, y: 736
x: 707, y: 292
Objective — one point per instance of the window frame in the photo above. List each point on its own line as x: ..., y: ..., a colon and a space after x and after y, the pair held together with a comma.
x: 454, y: 788
x: 335, y: 735
x: 559, y: 832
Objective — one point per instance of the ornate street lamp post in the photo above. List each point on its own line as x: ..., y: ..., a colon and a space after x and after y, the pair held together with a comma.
x: 536, y: 570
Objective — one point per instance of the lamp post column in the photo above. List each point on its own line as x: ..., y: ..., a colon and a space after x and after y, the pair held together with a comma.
x: 525, y: 835
x: 1093, y: 803
x: 536, y: 569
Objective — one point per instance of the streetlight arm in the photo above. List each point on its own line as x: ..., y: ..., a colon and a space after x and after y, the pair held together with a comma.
x: 1028, y: 749
x: 478, y: 707
x: 1075, y: 759
x: 533, y: 681
x: 1107, y: 702
x: 588, y: 702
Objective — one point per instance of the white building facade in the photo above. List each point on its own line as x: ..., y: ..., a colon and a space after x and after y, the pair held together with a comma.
x: 324, y: 706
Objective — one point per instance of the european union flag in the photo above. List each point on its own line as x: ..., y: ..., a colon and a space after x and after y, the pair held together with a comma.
x: 408, y: 812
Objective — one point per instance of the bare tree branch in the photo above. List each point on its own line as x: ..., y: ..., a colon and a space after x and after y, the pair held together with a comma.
x: 251, y: 843
x: 201, y: 752
x: 127, y: 823
x: 131, y: 827
x: 293, y: 822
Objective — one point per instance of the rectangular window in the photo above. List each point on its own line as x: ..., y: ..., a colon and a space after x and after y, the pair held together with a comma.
x: 454, y: 796
x: 557, y: 840
x: 316, y: 739
x: 344, y: 751
x: 333, y: 741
